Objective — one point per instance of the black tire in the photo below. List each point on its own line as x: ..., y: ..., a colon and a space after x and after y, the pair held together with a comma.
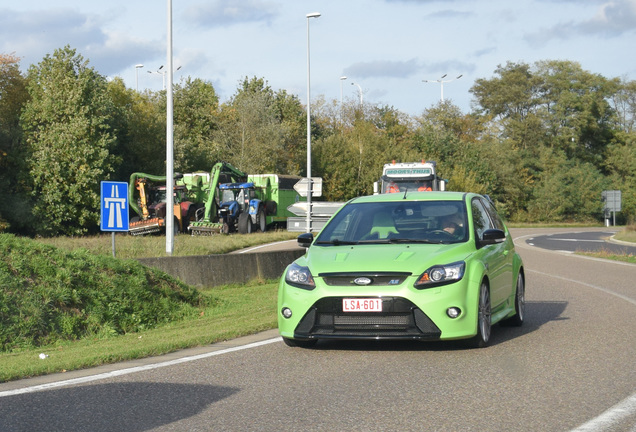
x: 304, y: 343
x: 484, y: 325
x: 271, y: 208
x: 520, y: 304
x: 226, y: 228
x: 190, y: 217
x: 244, y: 224
x: 261, y: 220
x: 175, y: 226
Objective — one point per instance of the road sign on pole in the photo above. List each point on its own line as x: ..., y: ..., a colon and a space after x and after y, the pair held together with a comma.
x: 114, y: 209
x: 612, y: 201
x: 316, y: 187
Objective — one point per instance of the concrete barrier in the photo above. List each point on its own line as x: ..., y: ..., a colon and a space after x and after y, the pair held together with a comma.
x: 213, y: 270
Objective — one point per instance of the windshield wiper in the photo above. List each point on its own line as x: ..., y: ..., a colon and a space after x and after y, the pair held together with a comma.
x: 409, y: 240
x: 336, y: 242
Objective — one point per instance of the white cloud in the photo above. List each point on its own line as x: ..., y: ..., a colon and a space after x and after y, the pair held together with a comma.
x: 612, y: 19
x: 220, y: 13
x: 383, y: 69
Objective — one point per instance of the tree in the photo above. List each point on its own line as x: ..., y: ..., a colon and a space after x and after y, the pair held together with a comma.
x: 141, y: 130
x: 577, y: 114
x: 13, y: 171
x: 67, y: 127
x: 621, y: 164
x: 567, y: 190
x: 260, y: 130
x: 292, y: 120
x: 196, y: 118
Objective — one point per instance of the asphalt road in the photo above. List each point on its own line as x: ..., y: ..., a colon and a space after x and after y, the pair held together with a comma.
x: 569, y: 368
x: 582, y: 241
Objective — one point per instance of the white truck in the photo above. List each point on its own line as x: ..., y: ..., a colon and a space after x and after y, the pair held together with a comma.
x: 409, y: 176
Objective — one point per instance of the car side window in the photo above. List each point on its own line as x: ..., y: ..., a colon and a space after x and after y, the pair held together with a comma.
x: 494, y: 216
x: 481, y: 221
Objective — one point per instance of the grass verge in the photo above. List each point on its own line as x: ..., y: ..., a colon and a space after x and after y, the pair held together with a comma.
x: 628, y: 234
x: 611, y: 256
x: 132, y: 247
x: 238, y: 310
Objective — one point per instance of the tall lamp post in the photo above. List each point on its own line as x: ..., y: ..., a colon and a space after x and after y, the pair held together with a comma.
x: 309, y: 185
x: 360, y: 91
x: 441, y: 81
x: 137, y: 67
x: 342, y: 78
x: 163, y: 74
x: 169, y: 141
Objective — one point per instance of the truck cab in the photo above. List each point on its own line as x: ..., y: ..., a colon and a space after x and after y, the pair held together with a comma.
x: 409, y: 177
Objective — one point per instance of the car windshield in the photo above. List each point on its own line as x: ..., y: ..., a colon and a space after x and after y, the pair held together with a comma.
x: 397, y: 222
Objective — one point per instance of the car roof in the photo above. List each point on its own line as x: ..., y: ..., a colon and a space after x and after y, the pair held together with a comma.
x: 413, y: 196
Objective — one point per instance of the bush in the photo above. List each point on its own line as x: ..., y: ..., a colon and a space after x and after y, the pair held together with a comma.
x: 47, y: 295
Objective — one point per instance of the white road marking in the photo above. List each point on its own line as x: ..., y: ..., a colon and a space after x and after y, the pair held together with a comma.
x: 575, y: 240
x: 596, y: 287
x: 265, y: 245
x: 611, y: 417
x: 136, y: 369
x: 627, y: 407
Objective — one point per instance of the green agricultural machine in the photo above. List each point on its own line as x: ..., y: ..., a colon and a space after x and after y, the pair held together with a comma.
x: 148, y: 198
x: 247, y: 205
x: 193, y: 194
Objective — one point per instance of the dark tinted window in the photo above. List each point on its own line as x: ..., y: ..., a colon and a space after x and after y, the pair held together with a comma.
x: 494, y: 216
x: 481, y: 219
x: 417, y: 221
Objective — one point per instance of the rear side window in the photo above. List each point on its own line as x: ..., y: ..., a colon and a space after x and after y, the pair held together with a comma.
x: 481, y: 219
x: 494, y: 216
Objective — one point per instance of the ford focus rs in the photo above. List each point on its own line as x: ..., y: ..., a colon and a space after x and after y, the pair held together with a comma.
x: 415, y: 266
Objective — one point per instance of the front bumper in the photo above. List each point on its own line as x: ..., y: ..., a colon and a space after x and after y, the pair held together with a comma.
x: 399, y: 319
x: 407, y: 313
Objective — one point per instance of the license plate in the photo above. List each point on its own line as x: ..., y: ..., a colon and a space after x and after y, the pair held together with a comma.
x: 362, y: 305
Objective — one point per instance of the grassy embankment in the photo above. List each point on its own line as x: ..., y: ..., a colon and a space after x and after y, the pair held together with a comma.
x: 83, y: 309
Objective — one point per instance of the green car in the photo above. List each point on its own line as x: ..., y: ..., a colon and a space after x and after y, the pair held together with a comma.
x: 405, y: 266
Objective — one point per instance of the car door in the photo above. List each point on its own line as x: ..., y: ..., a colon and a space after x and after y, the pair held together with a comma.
x: 496, y: 257
x: 508, y: 284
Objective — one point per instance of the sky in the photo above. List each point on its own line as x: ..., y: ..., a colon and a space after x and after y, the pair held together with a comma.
x: 395, y: 51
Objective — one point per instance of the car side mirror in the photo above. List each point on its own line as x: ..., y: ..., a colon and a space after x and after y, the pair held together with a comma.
x: 492, y: 236
x: 305, y: 240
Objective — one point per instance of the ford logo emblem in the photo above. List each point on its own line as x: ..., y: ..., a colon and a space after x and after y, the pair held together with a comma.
x: 362, y: 281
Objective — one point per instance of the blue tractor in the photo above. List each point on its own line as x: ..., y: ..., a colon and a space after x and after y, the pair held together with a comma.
x: 241, y: 208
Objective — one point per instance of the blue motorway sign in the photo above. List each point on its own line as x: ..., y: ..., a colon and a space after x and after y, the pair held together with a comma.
x: 114, y: 209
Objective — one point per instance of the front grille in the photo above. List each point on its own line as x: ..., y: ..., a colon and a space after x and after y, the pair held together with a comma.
x: 399, y: 319
x: 370, y: 320
x: 376, y: 279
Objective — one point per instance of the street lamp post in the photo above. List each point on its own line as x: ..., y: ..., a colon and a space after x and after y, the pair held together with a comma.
x: 169, y: 140
x: 163, y: 74
x: 360, y: 91
x: 342, y: 78
x: 309, y: 185
x: 137, y: 67
x: 441, y: 81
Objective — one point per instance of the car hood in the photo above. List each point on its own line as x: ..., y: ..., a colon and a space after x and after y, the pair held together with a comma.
x: 411, y: 258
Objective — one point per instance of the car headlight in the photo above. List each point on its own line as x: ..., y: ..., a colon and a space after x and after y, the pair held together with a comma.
x: 441, y: 275
x: 300, y: 277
